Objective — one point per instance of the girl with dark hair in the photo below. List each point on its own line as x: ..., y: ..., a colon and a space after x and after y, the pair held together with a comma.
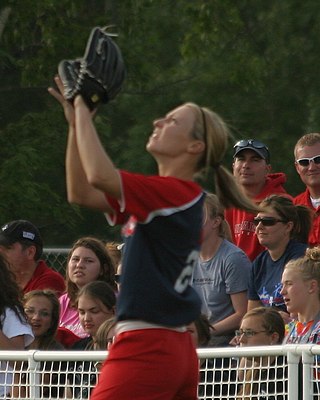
x: 283, y: 228
x: 42, y: 311
x: 88, y: 261
x: 201, y: 331
x: 96, y: 303
x: 15, y: 332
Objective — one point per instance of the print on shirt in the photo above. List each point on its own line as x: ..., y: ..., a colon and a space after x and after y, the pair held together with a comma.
x: 247, y: 227
x: 273, y: 299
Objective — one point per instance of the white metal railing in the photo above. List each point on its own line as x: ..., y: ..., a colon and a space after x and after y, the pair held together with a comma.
x: 273, y: 373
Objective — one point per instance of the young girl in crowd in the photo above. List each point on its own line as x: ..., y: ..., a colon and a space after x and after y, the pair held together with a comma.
x: 87, y: 261
x: 262, y: 377
x: 96, y: 303
x: 160, y: 248
x: 15, y: 332
x: 301, y: 294
x: 105, y: 334
x: 42, y: 311
x: 283, y: 229
x: 200, y: 330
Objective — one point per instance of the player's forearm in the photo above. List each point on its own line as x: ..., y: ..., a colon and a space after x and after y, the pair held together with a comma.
x: 99, y: 169
x: 75, y: 177
x: 79, y: 190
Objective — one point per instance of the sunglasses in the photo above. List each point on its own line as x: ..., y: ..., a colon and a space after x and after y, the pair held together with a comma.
x: 304, y: 162
x: 252, y: 143
x: 117, y: 278
x: 247, y: 332
x: 267, y: 221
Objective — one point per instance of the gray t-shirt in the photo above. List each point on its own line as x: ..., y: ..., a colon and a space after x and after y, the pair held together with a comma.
x: 215, y: 280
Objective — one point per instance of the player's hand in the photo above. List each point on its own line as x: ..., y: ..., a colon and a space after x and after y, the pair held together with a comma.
x: 67, y: 106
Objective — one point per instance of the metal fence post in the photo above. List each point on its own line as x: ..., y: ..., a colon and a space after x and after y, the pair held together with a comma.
x: 307, y: 363
x: 33, y: 376
x: 293, y: 372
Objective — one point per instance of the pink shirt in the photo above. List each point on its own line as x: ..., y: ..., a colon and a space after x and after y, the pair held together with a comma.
x: 69, y: 317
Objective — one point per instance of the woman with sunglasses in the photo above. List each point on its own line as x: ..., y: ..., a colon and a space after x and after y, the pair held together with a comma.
x: 162, y: 214
x: 283, y: 229
x: 262, y: 377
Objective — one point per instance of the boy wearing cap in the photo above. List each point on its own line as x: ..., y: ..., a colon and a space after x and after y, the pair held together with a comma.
x: 307, y: 163
x: 21, y: 243
x: 251, y: 168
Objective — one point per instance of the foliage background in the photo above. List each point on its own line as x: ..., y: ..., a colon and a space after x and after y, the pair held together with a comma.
x: 254, y: 62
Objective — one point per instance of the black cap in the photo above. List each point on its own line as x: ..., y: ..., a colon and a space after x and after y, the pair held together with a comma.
x: 20, y: 231
x: 255, y: 145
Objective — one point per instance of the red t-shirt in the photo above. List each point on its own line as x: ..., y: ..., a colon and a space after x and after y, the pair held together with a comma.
x: 304, y: 199
x: 45, y: 278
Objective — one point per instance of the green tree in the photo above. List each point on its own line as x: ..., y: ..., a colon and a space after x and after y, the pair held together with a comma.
x: 254, y: 62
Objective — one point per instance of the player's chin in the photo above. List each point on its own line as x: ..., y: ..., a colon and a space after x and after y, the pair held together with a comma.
x: 148, y: 145
x: 151, y: 147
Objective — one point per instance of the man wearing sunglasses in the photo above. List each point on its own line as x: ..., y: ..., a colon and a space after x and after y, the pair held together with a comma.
x: 252, y: 170
x: 307, y: 163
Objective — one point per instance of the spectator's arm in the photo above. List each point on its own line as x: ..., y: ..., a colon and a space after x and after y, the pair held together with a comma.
x: 231, y: 323
x: 254, y: 304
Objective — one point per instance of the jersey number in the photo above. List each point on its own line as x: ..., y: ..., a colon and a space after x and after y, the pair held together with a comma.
x: 185, y: 277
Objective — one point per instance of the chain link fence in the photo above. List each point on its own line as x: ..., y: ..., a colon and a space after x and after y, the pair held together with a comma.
x: 56, y: 258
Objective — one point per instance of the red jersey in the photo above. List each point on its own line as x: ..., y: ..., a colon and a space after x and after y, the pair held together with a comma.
x: 241, y: 222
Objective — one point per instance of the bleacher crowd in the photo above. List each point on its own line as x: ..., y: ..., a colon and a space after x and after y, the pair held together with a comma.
x: 255, y: 280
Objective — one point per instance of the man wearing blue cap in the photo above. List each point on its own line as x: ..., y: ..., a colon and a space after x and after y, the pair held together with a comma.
x: 252, y: 170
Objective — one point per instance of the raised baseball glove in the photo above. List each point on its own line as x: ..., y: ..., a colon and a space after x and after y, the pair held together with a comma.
x: 99, y: 75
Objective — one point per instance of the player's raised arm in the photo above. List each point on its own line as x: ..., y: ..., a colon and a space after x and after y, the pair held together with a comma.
x: 99, y: 169
x: 79, y: 191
